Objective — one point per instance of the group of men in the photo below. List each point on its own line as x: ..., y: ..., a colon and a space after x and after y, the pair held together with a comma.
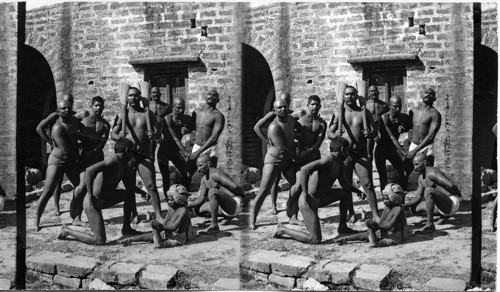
x: 363, y: 130
x: 151, y: 127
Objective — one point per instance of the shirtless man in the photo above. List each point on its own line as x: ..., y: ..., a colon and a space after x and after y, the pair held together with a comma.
x: 160, y: 109
x: 316, y: 179
x: 137, y: 132
x: 357, y: 137
x: 387, y: 148
x: 280, y: 156
x: 101, y: 180
x: 377, y: 108
x: 313, y: 131
x: 436, y: 190
x: 258, y: 128
x: 209, y: 125
x: 171, y: 149
x: 426, y: 124
x: 91, y: 153
x: 221, y: 191
x: 44, y: 129
x: 64, y: 158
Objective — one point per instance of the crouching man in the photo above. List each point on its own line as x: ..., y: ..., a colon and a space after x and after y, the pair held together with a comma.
x: 217, y: 189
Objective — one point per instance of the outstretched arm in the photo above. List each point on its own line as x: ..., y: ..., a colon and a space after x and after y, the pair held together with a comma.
x: 202, y: 195
x: 268, y: 118
x: 419, y: 195
x: 40, y: 129
x: 394, y: 140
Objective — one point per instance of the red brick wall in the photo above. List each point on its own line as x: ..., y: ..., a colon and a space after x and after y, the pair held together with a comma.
x: 8, y: 90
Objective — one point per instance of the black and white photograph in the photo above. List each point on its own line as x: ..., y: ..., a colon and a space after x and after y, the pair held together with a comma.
x: 321, y: 146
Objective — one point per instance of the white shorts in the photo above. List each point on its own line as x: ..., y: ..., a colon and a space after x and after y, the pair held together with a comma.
x: 454, y: 208
x: 239, y: 207
x: 427, y: 150
x: 210, y: 151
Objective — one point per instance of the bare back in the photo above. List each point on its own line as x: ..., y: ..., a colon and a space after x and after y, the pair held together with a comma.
x: 321, y: 181
x: 107, y: 180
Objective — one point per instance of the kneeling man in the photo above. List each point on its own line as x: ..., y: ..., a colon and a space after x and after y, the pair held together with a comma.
x: 101, y: 180
x: 221, y: 191
x: 435, y: 189
x: 317, y: 179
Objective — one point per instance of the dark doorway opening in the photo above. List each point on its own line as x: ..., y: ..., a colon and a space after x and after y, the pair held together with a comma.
x: 37, y: 92
x: 257, y: 97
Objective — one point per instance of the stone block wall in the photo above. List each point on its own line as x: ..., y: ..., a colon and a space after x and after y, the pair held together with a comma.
x: 89, y: 46
x: 489, y: 28
x: 307, y: 46
x: 8, y: 92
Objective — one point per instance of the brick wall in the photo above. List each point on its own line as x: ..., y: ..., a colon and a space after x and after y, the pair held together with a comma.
x: 489, y: 28
x: 89, y: 45
x: 8, y: 74
x: 307, y: 46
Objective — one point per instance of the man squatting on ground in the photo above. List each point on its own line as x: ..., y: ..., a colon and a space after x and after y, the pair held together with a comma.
x: 258, y: 128
x: 357, y: 136
x: 435, y: 195
x: 176, y: 226
x: 143, y: 158
x: 279, y: 158
x: 44, y: 129
x: 101, y: 180
x: 217, y: 189
x: 392, y: 228
x: 316, y: 179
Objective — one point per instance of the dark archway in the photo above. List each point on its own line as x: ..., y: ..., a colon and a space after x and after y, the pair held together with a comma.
x: 37, y: 92
x: 485, y: 104
x: 257, y: 96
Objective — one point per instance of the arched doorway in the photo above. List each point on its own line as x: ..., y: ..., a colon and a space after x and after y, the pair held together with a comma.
x: 257, y: 97
x: 485, y: 104
x: 37, y: 92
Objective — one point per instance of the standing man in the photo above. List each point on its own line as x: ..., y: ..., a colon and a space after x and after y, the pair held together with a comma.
x: 209, y: 125
x: 64, y: 158
x: 101, y: 180
x: 280, y: 156
x: 91, y: 153
x: 426, y: 124
x: 171, y: 149
x: 436, y: 190
x: 220, y: 190
x: 393, y: 124
x: 158, y: 107
x: 357, y: 137
x: 377, y: 108
x: 316, y: 180
x: 137, y: 132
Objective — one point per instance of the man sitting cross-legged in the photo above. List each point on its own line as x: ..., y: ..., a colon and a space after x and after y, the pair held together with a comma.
x: 221, y: 191
x: 436, y: 190
x: 102, y: 179
x: 176, y: 225
x: 317, y: 179
x: 392, y: 228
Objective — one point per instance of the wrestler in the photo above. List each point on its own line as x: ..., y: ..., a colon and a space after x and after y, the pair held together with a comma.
x: 312, y: 130
x: 316, y: 180
x: 357, y: 137
x: 392, y: 228
x: 209, y: 125
x: 91, y: 153
x: 258, y: 128
x: 435, y: 195
x: 44, y: 128
x: 217, y: 189
x: 177, y: 124
x: 101, y: 180
x: 280, y: 156
x: 176, y: 225
x: 160, y: 109
x: 137, y: 132
x: 377, y: 108
x: 388, y: 148
x: 426, y: 123
x: 64, y: 158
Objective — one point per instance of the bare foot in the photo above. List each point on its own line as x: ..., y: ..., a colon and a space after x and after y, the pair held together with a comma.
x: 212, y: 230
x: 341, y: 241
x: 130, y: 231
x: 426, y: 230
x: 79, y: 222
x: 442, y: 220
x: 227, y: 221
x: 251, y: 227
x: 279, y: 231
x: 63, y: 233
x: 125, y: 242
x: 295, y: 221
